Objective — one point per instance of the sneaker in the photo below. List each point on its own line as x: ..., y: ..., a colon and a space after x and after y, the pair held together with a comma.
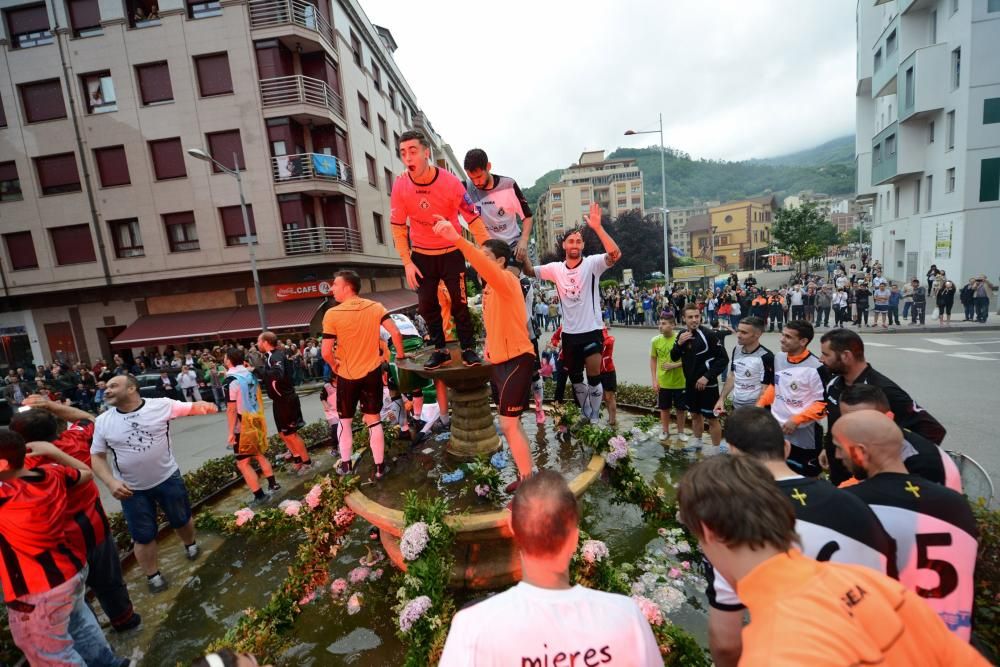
x: 470, y: 358
x: 258, y: 502
x: 438, y: 359
x: 132, y: 623
x: 156, y: 583
x: 273, y: 487
x: 303, y: 469
x: 344, y: 468
x: 683, y: 437
x: 440, y: 427
x: 192, y: 551
x: 381, y: 470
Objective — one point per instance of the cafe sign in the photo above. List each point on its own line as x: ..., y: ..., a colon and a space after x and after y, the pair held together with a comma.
x: 311, y: 290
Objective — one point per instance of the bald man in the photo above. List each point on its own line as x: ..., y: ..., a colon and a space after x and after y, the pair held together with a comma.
x: 544, y: 620
x: 933, y: 526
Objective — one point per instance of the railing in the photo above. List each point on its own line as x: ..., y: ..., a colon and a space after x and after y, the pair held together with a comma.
x: 321, y: 239
x: 300, y: 89
x: 310, y: 166
x: 273, y: 13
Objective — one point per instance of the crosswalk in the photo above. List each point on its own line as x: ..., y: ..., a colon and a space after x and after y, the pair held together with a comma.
x: 946, y: 346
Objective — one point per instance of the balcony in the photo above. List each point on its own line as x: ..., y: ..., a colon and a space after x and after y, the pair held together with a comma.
x: 326, y: 240
x: 301, y: 97
x: 895, y: 154
x: 313, y: 174
x: 886, y: 60
x: 923, y: 78
x: 299, y: 25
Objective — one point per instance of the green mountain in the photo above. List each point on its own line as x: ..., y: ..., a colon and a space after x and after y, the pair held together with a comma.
x: 826, y: 168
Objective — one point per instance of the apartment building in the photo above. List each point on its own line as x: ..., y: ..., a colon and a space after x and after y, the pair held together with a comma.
x: 680, y: 237
x: 116, y: 238
x: 928, y: 134
x: 615, y: 184
x: 730, y: 232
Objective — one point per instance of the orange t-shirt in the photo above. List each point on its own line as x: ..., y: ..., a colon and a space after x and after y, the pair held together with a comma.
x: 356, y: 325
x: 803, y: 612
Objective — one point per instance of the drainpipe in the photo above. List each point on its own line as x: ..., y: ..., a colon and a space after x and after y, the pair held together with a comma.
x: 87, y: 187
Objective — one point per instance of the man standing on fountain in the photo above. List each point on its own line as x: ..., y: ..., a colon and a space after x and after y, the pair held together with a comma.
x: 351, y: 336
x: 422, y: 195
x: 508, y: 347
x: 576, y: 281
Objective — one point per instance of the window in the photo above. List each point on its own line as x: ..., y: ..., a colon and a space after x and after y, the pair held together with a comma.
x: 890, y: 145
x: 949, y: 180
x: 895, y: 198
x: 379, y: 230
x: 395, y: 141
x: 878, y: 60
x: 182, y: 232
x: 991, y: 109
x: 930, y: 132
x: 372, y: 178
x: 932, y: 19
x: 890, y: 44
x: 992, y: 6
x: 127, y: 238
x: 222, y: 146
x: 951, y: 129
x: 388, y: 182
x: 99, y: 92
x: 930, y: 192
x: 956, y: 68
x: 909, y: 99
x: 232, y: 225
x: 363, y: 110
x: 3, y: 116
x: 112, y: 166
x: 154, y: 83
x: 84, y: 17
x: 72, y: 244
x: 383, y: 131
x: 142, y: 13
x: 57, y: 173
x: 42, y: 100
x: 21, y: 251
x: 199, y: 9
x: 28, y: 26
x: 10, y: 184
x: 916, y: 196
x: 392, y: 97
x: 213, y: 74
x: 954, y: 6
x: 989, y: 179
x: 168, y: 158
x: 356, y: 49
x: 376, y: 76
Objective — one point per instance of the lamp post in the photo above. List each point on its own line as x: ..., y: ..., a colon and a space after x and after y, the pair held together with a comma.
x: 235, y: 173
x: 664, y: 209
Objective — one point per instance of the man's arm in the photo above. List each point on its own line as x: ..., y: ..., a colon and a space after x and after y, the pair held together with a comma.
x: 61, y: 411
x: 724, y: 636
x: 489, y: 270
x: 328, y: 350
x: 50, y: 451
x: 118, y: 488
x: 720, y: 359
x: 185, y: 409
x: 521, y: 254
x: 614, y: 253
x: 397, y: 338
x: 653, y: 371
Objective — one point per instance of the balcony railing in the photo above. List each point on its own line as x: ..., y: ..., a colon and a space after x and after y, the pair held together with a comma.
x: 321, y: 240
x: 300, y: 89
x: 311, y: 166
x: 274, y: 13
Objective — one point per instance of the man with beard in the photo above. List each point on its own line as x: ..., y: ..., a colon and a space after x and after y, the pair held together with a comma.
x: 500, y: 202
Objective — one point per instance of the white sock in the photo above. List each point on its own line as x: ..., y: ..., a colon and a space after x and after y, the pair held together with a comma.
x: 582, y: 391
x: 594, y: 399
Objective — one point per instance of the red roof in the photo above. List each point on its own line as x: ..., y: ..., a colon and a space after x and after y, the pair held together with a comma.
x: 245, y: 321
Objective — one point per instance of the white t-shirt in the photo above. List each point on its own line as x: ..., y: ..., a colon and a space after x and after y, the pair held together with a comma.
x: 403, y: 323
x: 141, y: 455
x: 187, y: 380
x: 579, y: 292
x: 527, y: 625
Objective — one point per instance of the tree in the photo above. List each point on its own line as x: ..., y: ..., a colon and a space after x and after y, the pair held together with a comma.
x: 640, y: 239
x: 855, y: 236
x: 803, y: 233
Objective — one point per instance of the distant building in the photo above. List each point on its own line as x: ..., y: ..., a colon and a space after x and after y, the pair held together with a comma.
x: 731, y: 229
x: 823, y: 202
x: 844, y: 221
x: 680, y: 238
x: 614, y: 184
x: 928, y: 134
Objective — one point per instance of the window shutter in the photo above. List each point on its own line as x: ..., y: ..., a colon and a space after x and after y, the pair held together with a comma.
x: 73, y: 244
x: 232, y: 221
x: 168, y: 158
x: 58, y: 173
x: 112, y: 166
x: 21, y: 250
x: 84, y: 14
x: 213, y: 74
x: 21, y: 20
x: 179, y: 218
x: 154, y: 83
x: 3, y: 116
x: 222, y: 145
x: 8, y: 171
x: 43, y: 100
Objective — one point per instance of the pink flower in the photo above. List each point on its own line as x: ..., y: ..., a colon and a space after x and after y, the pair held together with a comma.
x: 290, y: 507
x: 358, y: 574
x: 649, y: 609
x: 307, y: 598
x: 413, y: 611
x: 343, y: 517
x: 674, y: 573
x: 243, y: 516
x: 376, y: 574
x: 594, y: 551
x: 338, y: 587
x: 312, y: 498
x: 354, y: 604
x: 686, y: 565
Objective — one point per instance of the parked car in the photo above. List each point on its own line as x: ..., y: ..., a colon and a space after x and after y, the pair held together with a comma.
x: 149, y: 385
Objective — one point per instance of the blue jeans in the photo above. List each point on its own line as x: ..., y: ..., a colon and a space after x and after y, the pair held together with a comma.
x: 982, y: 304
x: 57, y: 627
x: 140, y: 508
x: 906, y: 308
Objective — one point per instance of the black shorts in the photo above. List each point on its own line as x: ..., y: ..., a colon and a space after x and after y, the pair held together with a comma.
x: 288, y: 415
x: 804, y: 461
x: 577, y: 347
x: 702, y: 402
x: 511, y: 382
x: 671, y: 398
x: 609, y: 381
x: 366, y: 390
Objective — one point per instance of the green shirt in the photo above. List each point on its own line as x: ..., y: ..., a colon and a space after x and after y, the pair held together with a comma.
x: 660, y: 349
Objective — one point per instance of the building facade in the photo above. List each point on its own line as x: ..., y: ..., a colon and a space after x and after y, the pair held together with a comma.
x: 107, y: 219
x: 928, y: 134
x: 614, y: 184
x: 680, y: 237
x: 730, y: 230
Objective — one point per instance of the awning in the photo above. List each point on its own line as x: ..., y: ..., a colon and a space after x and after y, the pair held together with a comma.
x: 245, y: 321
x: 172, y: 327
x: 394, y: 300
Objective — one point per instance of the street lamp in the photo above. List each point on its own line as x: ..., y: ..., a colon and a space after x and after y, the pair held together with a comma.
x: 663, y: 189
x: 235, y: 173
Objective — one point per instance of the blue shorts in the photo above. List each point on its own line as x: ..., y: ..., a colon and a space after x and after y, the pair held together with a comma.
x: 140, y: 509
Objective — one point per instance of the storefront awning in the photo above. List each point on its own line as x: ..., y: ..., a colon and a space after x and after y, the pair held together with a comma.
x: 245, y: 321
x: 173, y: 328
x: 394, y: 300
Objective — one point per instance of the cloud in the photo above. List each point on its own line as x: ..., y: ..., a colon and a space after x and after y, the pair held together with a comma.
x: 535, y: 83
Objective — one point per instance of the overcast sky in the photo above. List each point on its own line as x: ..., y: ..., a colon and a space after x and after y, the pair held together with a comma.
x: 536, y: 82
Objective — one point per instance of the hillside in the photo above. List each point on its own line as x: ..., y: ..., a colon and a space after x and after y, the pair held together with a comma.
x: 826, y: 168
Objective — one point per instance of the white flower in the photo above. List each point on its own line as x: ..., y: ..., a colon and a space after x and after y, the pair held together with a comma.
x: 594, y: 551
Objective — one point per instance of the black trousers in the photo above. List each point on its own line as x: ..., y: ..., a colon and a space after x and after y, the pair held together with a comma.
x: 449, y: 267
x: 106, y: 580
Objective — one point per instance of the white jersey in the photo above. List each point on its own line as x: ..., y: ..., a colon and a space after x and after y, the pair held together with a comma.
x: 404, y: 324
x: 797, y: 386
x: 527, y: 625
x: 751, y: 371
x: 579, y: 292
x: 500, y: 208
x: 139, y: 441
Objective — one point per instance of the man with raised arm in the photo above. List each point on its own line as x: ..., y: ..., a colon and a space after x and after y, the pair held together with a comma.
x: 577, y: 282
x: 419, y: 196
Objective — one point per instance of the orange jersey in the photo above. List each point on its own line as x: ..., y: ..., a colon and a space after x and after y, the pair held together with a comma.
x: 504, y: 315
x: 804, y: 612
x: 356, y: 325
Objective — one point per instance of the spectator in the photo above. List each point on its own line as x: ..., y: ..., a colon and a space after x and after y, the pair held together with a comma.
x: 14, y: 393
x: 247, y: 427
x: 919, y: 294
x: 945, y: 301
x: 967, y: 298
x: 894, y: 305
x: 981, y: 297
x: 704, y: 358
x: 187, y: 382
